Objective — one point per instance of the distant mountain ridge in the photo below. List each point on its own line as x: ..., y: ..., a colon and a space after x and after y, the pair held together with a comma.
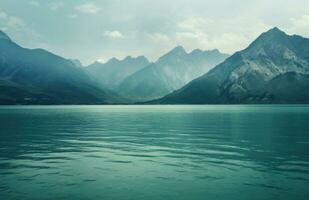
x: 273, y: 69
x: 170, y: 72
x: 113, y: 72
x: 36, y: 76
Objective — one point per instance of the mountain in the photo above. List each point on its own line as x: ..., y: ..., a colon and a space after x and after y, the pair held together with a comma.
x: 4, y: 36
x: 112, y: 73
x: 273, y: 69
x: 172, y: 71
x: 36, y: 76
x: 76, y: 62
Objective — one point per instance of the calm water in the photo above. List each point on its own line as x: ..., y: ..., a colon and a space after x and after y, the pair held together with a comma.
x: 154, y: 152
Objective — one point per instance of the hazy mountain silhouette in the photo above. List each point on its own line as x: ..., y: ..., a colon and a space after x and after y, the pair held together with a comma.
x: 36, y: 76
x: 112, y: 73
x: 273, y: 69
x: 172, y: 71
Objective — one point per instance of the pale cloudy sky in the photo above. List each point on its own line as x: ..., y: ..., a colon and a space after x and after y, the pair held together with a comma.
x: 101, y: 29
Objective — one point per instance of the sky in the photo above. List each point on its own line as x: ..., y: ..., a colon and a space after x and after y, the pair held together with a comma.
x: 98, y: 30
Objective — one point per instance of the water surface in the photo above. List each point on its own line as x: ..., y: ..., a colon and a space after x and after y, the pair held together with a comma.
x: 154, y: 152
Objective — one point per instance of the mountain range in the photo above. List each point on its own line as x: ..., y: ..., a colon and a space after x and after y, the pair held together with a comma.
x: 36, y: 76
x: 112, y: 73
x: 170, y: 72
x: 273, y: 69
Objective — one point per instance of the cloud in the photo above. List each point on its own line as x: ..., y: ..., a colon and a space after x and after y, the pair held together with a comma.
x: 151, y: 27
x: 228, y: 35
x: 193, y: 23
x: 3, y: 15
x: 13, y: 24
x: 72, y: 16
x: 113, y: 34
x: 89, y: 8
x: 101, y: 60
x: 34, y: 3
x: 300, y: 25
x: 159, y: 38
x: 56, y: 5
x: 303, y: 21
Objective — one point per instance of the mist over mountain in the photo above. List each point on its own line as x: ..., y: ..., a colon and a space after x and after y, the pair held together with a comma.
x: 273, y: 69
x: 170, y: 72
x: 36, y: 76
x: 112, y: 73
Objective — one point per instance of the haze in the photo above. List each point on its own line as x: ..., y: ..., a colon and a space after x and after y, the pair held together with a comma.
x: 99, y: 30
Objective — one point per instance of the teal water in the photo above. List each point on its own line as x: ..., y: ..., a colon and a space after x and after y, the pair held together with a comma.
x: 154, y: 152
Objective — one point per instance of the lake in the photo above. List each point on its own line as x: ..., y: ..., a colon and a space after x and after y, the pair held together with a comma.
x: 234, y: 152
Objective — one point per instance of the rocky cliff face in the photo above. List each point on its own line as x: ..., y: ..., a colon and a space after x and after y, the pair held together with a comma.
x: 251, y: 75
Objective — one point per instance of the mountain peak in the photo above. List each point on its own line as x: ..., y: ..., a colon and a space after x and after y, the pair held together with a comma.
x: 196, y: 52
x: 4, y: 36
x: 142, y: 58
x: 178, y: 49
x: 272, y: 34
x: 271, y: 39
x: 113, y: 60
x: 76, y: 62
x: 177, y: 52
x: 135, y: 59
x: 199, y: 52
x: 213, y: 51
x: 275, y: 31
x: 127, y: 58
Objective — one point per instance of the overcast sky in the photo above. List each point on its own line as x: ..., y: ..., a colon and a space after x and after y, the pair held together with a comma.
x: 101, y: 29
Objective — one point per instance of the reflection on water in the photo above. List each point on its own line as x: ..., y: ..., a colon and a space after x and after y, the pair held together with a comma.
x: 154, y: 152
